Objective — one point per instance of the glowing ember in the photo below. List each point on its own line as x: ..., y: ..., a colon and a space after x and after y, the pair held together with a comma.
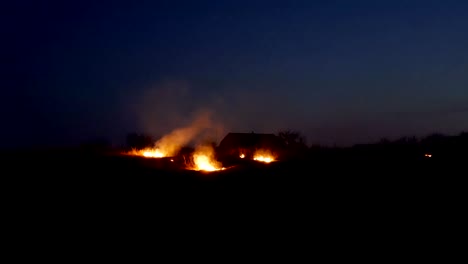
x: 264, y: 156
x: 242, y: 156
x: 148, y: 153
x: 204, y: 160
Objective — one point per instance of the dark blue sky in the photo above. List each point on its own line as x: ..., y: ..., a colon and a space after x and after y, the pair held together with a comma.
x: 341, y: 72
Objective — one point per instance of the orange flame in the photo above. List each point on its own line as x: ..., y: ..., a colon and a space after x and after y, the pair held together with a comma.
x: 170, y: 144
x: 264, y: 156
x: 203, y: 159
x: 242, y: 156
x: 148, y: 153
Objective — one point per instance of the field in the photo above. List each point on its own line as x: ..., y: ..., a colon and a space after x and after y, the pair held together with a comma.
x: 341, y: 177
x: 326, y: 197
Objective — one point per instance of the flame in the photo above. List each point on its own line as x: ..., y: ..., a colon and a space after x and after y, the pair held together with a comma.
x: 264, y: 159
x: 148, y: 153
x: 264, y: 156
x: 242, y: 156
x: 170, y: 144
x: 203, y: 159
x: 428, y: 155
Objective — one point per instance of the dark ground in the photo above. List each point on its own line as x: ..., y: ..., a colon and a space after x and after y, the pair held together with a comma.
x: 339, y: 199
x: 370, y: 180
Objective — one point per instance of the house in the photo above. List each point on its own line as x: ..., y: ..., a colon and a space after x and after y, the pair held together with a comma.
x: 235, y: 144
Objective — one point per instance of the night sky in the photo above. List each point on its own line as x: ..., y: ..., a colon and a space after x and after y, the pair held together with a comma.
x: 340, y: 72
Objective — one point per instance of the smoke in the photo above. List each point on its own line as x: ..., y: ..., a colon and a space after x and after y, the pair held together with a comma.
x: 174, y: 109
x: 159, y: 108
x: 167, y: 106
x: 201, y: 126
x: 184, y: 113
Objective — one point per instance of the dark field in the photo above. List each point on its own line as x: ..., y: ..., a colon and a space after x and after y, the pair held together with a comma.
x: 328, y: 196
x: 328, y: 177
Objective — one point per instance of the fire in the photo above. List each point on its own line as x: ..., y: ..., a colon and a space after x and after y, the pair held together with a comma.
x: 172, y: 143
x: 242, y: 156
x: 264, y: 159
x: 203, y: 159
x: 264, y: 156
x: 148, y: 153
x: 428, y: 155
x: 153, y: 153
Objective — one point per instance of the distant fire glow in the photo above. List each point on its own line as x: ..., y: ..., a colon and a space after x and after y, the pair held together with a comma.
x: 264, y: 156
x: 428, y: 155
x: 241, y: 156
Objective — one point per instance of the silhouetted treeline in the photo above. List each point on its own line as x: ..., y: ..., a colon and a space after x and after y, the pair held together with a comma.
x: 139, y: 141
x: 434, y: 146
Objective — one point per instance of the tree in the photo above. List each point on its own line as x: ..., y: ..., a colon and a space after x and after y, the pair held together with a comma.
x: 139, y: 141
x: 292, y: 139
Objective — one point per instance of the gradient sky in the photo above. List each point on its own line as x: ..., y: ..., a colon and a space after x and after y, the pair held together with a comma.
x: 340, y: 72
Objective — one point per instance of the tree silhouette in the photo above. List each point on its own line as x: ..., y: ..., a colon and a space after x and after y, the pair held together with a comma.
x: 292, y: 138
x: 139, y: 141
x: 294, y: 143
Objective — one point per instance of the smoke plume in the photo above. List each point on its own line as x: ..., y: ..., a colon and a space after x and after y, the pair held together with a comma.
x: 171, y: 143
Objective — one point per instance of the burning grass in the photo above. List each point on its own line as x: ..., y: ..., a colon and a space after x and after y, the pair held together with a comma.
x: 265, y: 156
x: 172, y: 144
x: 204, y: 160
x: 147, y: 153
